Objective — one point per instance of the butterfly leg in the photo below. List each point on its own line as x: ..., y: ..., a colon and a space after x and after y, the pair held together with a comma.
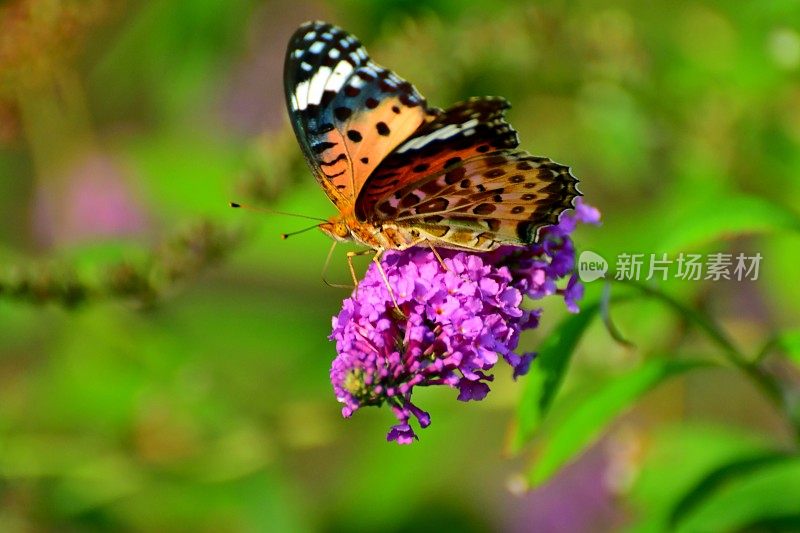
x: 325, y: 271
x: 438, y: 257
x: 377, y: 260
x: 350, y: 256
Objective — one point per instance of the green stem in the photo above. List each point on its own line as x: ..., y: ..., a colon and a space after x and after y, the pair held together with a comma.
x: 762, y: 380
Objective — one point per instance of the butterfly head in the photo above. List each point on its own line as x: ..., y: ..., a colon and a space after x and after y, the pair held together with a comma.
x: 336, y: 228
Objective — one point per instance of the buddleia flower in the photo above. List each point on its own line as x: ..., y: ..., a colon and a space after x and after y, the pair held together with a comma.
x: 456, y: 323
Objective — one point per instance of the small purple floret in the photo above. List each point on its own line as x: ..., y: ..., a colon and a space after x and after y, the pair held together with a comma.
x: 458, y: 322
x: 402, y: 434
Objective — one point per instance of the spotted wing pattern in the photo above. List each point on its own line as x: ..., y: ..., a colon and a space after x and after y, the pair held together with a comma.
x: 467, y: 129
x: 500, y: 197
x: 348, y: 113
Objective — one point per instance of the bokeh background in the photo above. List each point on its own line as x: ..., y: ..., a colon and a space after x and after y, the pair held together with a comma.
x: 164, y: 359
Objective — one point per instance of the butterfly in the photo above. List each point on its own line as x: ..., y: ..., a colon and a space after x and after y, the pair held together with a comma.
x: 403, y: 174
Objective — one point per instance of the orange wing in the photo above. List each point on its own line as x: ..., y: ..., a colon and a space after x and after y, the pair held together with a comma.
x: 501, y: 197
x: 467, y: 129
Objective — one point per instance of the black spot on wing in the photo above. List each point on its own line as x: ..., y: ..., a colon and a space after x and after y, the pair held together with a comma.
x: 452, y: 161
x: 455, y: 175
x: 342, y: 113
x: 333, y: 161
x: 409, y: 200
x: 494, y: 173
x: 433, y: 206
x: 321, y: 147
x: 484, y: 209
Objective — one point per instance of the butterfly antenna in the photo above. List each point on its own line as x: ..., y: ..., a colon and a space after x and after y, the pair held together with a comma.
x: 237, y: 205
x: 287, y: 235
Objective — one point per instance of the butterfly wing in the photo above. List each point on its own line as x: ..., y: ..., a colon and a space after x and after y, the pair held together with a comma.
x: 467, y: 129
x: 500, y: 197
x: 347, y: 112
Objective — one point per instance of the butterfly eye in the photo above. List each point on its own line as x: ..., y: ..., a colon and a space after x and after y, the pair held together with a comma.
x: 341, y: 230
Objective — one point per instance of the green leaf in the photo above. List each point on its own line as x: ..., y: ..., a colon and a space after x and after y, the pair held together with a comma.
x: 677, y: 458
x: 748, y: 499
x: 729, y: 216
x: 789, y: 342
x: 586, y: 420
x: 547, y: 373
x: 717, y: 480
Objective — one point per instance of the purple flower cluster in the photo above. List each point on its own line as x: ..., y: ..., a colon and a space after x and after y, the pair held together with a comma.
x: 455, y: 324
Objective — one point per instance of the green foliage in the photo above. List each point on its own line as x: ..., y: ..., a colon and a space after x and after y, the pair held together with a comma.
x: 731, y: 216
x: 788, y: 342
x: 757, y: 493
x: 684, y: 464
x: 587, y: 418
x: 164, y: 359
x: 544, y: 379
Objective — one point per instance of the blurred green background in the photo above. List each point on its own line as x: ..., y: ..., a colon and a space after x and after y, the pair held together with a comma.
x: 164, y: 359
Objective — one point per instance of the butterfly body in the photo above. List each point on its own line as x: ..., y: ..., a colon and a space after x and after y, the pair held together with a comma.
x: 384, y: 237
x: 390, y: 236
x: 403, y: 174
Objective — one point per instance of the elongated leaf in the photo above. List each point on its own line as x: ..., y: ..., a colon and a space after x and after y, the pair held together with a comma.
x: 769, y: 494
x: 547, y: 373
x: 676, y: 459
x: 718, y: 478
x: 729, y: 216
x: 585, y: 422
